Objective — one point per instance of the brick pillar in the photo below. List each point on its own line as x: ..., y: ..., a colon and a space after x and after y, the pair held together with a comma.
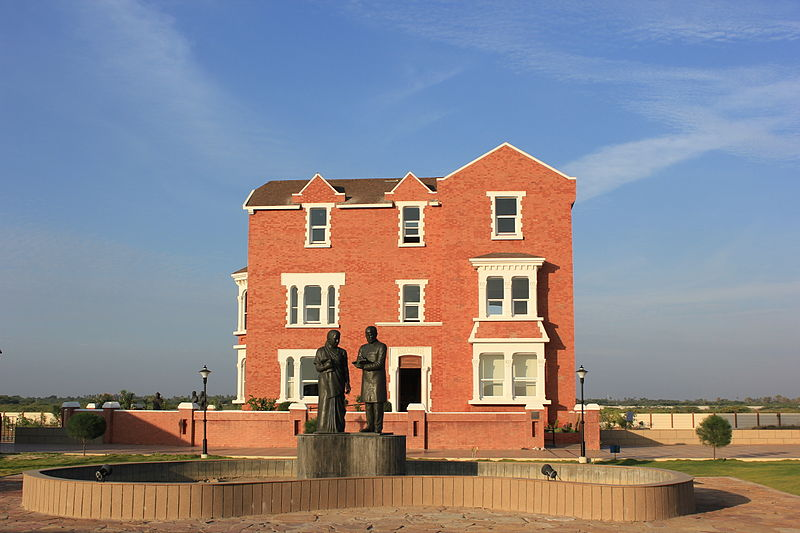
x: 186, y: 423
x: 67, y: 410
x: 535, y: 422
x: 108, y: 414
x: 417, y: 432
x: 298, y: 415
x: 591, y: 416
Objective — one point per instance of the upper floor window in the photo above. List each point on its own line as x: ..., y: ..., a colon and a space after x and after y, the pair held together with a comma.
x: 318, y: 222
x: 507, y: 285
x: 411, y: 224
x: 506, y: 214
x: 412, y: 299
x: 241, y: 316
x: 312, y: 299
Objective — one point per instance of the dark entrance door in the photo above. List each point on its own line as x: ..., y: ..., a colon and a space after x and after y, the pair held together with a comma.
x: 409, y: 382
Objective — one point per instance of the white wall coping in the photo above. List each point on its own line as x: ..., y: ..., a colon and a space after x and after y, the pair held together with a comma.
x: 71, y: 404
x: 111, y: 405
x: 188, y: 405
x: 587, y: 407
x: 298, y: 407
x: 415, y: 407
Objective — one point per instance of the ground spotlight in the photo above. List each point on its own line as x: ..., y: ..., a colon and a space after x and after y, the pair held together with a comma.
x: 548, y: 472
x: 103, y: 473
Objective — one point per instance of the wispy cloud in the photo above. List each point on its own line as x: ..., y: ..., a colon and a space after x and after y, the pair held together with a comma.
x: 143, y: 62
x: 751, y: 110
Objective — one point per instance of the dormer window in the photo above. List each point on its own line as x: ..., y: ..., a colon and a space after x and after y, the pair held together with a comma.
x: 318, y: 222
x: 412, y: 227
x: 506, y: 214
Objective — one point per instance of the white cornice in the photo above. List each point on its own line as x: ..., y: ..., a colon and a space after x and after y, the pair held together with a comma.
x: 364, y: 206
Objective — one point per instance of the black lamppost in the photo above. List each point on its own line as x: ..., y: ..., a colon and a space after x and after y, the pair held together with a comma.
x: 205, y: 372
x: 581, y: 375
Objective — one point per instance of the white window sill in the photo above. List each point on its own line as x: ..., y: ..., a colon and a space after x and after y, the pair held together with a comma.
x: 502, y: 400
x: 391, y: 324
x: 311, y: 326
x: 501, y: 318
x: 243, y: 332
x: 507, y: 237
x: 411, y: 245
x: 318, y: 245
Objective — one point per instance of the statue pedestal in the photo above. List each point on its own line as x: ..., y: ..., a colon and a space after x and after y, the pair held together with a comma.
x: 350, y: 455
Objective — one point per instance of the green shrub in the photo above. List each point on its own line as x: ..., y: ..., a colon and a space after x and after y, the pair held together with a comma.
x: 261, y: 404
x: 85, y: 427
x: 283, y: 406
x: 311, y: 425
x: 715, y: 431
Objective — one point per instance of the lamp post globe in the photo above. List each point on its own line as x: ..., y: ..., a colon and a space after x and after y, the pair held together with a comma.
x: 204, y: 372
x: 581, y: 376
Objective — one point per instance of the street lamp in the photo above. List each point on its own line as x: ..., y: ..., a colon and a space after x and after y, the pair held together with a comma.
x: 205, y: 372
x: 582, y: 375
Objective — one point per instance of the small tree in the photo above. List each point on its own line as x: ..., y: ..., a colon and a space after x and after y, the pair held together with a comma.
x: 261, y: 404
x: 715, y: 431
x: 85, y: 427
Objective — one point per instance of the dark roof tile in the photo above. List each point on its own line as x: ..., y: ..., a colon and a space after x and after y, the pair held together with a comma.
x: 357, y: 191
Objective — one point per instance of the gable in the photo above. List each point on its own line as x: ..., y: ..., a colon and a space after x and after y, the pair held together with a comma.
x: 506, y: 149
x: 410, y: 188
x: 318, y: 190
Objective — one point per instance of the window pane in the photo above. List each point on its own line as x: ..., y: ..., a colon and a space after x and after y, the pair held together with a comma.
x: 524, y: 366
x: 312, y: 315
x: 293, y: 305
x: 506, y: 225
x: 313, y: 295
x: 318, y: 235
x: 318, y: 216
x: 411, y: 213
x: 331, y: 305
x: 519, y: 288
x: 494, y: 288
x: 411, y: 293
x: 505, y: 206
x: 524, y: 388
x: 412, y: 313
x: 521, y: 307
x: 492, y: 389
x: 492, y: 366
x: 290, y: 368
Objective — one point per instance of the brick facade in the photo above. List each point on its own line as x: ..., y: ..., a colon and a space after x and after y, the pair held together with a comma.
x: 363, y: 245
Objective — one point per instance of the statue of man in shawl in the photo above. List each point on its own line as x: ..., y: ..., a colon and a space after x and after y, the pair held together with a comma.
x: 334, y: 383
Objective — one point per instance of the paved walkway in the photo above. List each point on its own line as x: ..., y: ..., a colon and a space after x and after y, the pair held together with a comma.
x: 723, y: 504
x: 677, y: 451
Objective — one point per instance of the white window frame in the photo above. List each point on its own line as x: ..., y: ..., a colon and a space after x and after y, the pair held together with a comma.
x: 493, y: 196
x: 524, y: 379
x: 241, y: 315
x: 401, y: 283
x: 401, y: 224
x: 241, y: 378
x: 482, y: 380
x: 323, y: 280
x: 507, y: 269
x: 508, y: 350
x: 320, y: 244
x: 295, y: 356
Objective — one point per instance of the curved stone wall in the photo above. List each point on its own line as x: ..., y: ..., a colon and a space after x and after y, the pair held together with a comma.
x: 650, y: 494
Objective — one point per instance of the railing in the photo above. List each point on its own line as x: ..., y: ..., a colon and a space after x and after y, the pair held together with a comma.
x: 737, y: 420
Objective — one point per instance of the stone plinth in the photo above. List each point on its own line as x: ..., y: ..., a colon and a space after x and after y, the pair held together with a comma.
x: 350, y: 454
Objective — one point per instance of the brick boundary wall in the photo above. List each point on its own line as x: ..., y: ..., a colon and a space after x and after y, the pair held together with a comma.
x: 423, y: 430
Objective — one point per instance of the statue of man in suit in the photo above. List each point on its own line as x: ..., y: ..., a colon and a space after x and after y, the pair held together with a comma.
x: 372, y: 361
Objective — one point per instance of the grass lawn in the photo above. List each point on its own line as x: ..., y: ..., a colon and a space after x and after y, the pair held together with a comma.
x: 781, y: 475
x: 14, y: 463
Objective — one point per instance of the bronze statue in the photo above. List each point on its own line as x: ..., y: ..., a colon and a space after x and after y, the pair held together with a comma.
x: 194, y: 398
x: 334, y: 382
x: 372, y: 361
x: 158, y: 402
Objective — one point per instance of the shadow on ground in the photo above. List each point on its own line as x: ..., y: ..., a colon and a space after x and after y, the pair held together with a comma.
x: 708, y: 500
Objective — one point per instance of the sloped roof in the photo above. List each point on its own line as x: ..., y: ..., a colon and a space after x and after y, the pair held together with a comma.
x: 357, y: 191
x: 241, y: 270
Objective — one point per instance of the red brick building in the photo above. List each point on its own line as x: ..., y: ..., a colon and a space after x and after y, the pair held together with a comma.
x: 468, y: 278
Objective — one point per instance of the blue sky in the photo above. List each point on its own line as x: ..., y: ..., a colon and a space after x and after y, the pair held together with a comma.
x: 131, y: 132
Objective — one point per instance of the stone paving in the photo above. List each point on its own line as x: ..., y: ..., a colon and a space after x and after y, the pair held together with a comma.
x: 723, y: 505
